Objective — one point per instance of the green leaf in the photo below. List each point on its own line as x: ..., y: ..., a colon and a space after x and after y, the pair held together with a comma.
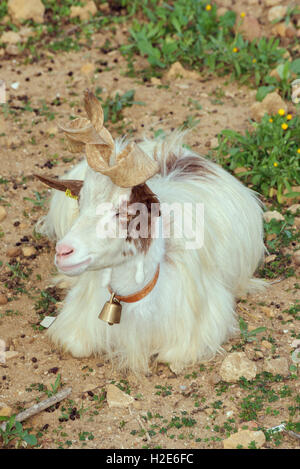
x: 295, y: 66
x: 263, y: 91
x: 30, y: 439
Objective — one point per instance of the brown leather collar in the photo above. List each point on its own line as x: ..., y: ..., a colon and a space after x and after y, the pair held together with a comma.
x: 140, y: 294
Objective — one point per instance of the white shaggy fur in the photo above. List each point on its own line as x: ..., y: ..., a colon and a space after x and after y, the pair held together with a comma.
x: 191, y: 310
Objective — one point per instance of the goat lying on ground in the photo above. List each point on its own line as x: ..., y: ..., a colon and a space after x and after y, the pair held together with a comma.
x: 178, y: 302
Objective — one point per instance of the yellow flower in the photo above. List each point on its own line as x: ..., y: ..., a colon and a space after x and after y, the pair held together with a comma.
x: 208, y: 7
x: 271, y: 120
x: 254, y: 61
x: 289, y: 117
x: 235, y: 49
x: 284, y: 126
x: 298, y: 151
x: 281, y: 112
x: 243, y: 14
x: 275, y: 164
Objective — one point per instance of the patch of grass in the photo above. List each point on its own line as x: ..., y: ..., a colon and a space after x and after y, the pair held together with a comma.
x: 40, y: 387
x: 3, y: 9
x: 268, y: 155
x: 191, y: 32
x: 16, y: 434
x: 249, y: 336
x: 279, y: 235
x: 39, y: 200
x: 163, y: 390
x: 262, y: 392
x: 113, y: 107
x: 45, y: 303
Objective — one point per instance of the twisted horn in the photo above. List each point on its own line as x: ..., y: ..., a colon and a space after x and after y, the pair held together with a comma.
x: 132, y: 167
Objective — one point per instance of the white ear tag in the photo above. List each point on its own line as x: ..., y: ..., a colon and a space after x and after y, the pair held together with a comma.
x: 139, y: 276
x: 106, y: 277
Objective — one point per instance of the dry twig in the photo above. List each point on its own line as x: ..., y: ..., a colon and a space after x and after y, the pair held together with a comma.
x: 36, y: 408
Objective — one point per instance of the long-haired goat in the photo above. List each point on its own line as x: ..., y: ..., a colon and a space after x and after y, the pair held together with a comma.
x: 183, y: 300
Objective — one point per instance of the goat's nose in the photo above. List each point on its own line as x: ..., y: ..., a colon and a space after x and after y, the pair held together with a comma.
x: 64, y: 250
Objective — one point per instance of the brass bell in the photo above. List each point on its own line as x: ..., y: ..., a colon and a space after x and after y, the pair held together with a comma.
x: 111, y: 311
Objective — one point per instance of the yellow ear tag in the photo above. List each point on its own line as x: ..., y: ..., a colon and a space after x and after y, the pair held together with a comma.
x: 69, y: 194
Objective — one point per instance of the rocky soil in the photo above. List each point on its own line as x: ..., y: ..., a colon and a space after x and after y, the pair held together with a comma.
x: 211, y: 405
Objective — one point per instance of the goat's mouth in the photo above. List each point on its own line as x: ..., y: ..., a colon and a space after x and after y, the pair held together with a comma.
x: 73, y: 269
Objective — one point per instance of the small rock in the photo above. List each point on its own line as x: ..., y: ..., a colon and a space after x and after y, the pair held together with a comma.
x: 12, y: 49
x: 26, y: 32
x: 3, y: 300
x: 270, y: 258
x: 297, y: 222
x: 10, y: 354
x: 13, y: 252
x: 271, y: 236
x: 249, y: 28
x: 291, y: 32
x: 155, y: 81
x: 215, y: 378
x: 296, y: 257
x: 270, y: 104
x: 236, y: 365
x: 277, y: 366
x: 10, y: 37
x: 5, y: 410
x: 268, y: 216
x: 240, y: 170
x: 296, y: 356
x: 89, y: 387
x: 28, y: 251
x: 177, y: 71
x: 20, y: 11
x: 267, y: 345
x: 117, y: 398
x: 3, y: 213
x: 295, y: 343
x: 279, y: 29
x: 269, y: 312
x: 243, y: 438
x: 84, y: 12
x: 104, y: 7
x: 214, y: 142
x: 53, y: 130
x: 15, y: 85
x: 137, y: 405
x: 293, y: 209
x: 87, y: 69
x: 277, y: 13
x: 271, y: 3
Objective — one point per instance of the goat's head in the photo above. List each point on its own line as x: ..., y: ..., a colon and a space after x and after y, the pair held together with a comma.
x: 107, y: 229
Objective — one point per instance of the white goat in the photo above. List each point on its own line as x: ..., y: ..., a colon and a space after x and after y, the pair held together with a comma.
x: 190, y: 310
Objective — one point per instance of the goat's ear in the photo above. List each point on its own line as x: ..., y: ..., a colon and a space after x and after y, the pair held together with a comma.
x: 143, y: 194
x: 73, y: 185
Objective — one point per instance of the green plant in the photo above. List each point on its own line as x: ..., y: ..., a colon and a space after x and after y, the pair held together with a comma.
x: 268, y: 155
x: 285, y: 72
x: 112, y: 107
x: 279, y: 235
x: 191, y: 32
x: 39, y: 200
x: 14, y: 432
x: 249, y: 336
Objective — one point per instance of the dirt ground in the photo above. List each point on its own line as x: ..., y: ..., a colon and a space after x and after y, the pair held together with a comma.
x: 198, y: 398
